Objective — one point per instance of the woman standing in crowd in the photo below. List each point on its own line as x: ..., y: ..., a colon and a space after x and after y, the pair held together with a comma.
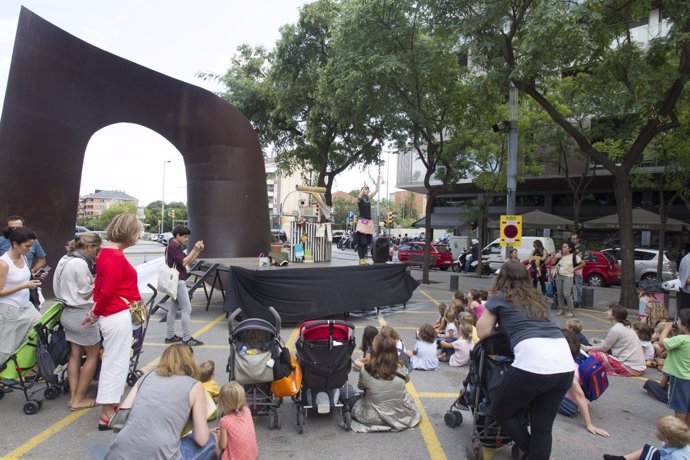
x: 17, y: 313
x: 161, y: 402
x: 365, y: 226
x: 567, y: 263
x: 543, y: 369
x: 73, y: 283
x: 537, y: 260
x: 115, y: 288
x: 385, y: 401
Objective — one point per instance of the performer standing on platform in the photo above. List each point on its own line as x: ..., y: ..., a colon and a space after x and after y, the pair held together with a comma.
x: 365, y: 226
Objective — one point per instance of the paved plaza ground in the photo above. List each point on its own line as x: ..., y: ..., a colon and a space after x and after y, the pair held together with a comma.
x: 625, y: 410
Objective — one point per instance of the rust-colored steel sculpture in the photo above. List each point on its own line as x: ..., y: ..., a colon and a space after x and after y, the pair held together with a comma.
x: 61, y: 90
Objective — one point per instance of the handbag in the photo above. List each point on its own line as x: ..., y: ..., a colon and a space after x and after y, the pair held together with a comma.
x: 117, y: 422
x: 138, y: 310
x: 290, y: 385
x: 168, y: 278
x: 365, y: 226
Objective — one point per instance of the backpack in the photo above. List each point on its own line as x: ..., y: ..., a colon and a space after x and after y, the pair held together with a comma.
x: 46, y: 365
x: 593, y: 377
x: 58, y: 347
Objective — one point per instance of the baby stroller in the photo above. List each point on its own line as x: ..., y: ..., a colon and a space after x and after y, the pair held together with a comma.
x: 257, y: 358
x: 18, y: 373
x: 324, y: 351
x: 138, y: 336
x: 489, y: 359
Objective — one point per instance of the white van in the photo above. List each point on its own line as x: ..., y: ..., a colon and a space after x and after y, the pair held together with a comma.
x: 494, y: 253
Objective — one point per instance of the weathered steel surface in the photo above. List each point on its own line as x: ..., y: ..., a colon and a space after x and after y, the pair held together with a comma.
x: 61, y: 90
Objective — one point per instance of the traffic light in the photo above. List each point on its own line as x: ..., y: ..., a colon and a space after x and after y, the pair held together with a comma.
x: 389, y: 221
x: 171, y: 213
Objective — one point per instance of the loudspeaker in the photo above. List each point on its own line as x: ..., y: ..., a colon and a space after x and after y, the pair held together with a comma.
x: 381, y: 250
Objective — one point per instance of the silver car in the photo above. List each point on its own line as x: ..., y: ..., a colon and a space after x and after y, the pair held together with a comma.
x: 646, y: 262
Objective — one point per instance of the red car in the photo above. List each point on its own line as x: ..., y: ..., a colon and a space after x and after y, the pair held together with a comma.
x: 413, y: 252
x: 601, y: 269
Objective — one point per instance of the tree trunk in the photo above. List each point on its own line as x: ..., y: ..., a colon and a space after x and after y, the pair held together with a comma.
x: 427, y: 237
x: 623, y: 193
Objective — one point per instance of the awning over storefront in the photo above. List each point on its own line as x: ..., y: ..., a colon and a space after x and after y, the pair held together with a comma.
x: 443, y: 220
x: 642, y: 220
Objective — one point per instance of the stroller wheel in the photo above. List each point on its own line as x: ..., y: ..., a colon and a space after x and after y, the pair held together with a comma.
x: 132, y: 378
x: 51, y: 393
x: 347, y: 418
x: 300, y: 421
x: 2, y: 393
x: 453, y: 418
x: 31, y: 407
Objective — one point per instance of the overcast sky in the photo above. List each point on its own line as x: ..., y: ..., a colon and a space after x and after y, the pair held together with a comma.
x: 176, y: 37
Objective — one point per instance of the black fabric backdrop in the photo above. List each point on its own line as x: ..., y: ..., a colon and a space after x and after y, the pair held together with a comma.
x: 311, y: 293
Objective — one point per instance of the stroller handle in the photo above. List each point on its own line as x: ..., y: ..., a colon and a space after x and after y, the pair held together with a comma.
x: 322, y: 322
x: 232, y: 319
x: 276, y: 316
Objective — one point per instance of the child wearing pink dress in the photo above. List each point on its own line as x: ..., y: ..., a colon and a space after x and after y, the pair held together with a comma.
x: 237, y: 438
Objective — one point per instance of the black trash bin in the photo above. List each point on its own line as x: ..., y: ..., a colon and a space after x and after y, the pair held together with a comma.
x: 587, y: 297
x: 651, y: 290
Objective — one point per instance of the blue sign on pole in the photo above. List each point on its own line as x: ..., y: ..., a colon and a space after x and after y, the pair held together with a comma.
x: 351, y: 216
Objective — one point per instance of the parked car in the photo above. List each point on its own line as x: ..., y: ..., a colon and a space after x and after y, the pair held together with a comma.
x: 338, y: 235
x: 646, y: 262
x: 415, y: 250
x: 279, y: 235
x: 164, y: 238
x: 79, y: 229
x: 601, y: 269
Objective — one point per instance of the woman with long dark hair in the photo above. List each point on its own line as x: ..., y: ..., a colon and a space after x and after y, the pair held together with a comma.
x: 567, y: 264
x: 537, y: 261
x: 365, y: 226
x: 543, y: 369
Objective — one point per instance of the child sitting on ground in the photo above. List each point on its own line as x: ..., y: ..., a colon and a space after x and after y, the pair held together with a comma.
x: 467, y: 317
x: 367, y: 339
x: 236, y: 435
x: 575, y: 325
x: 459, y: 302
x: 424, y: 357
x: 461, y: 347
x: 644, y: 333
x: 450, y: 332
x: 474, y: 302
x: 390, y: 331
x: 207, y: 370
x: 674, y: 436
x: 440, y: 325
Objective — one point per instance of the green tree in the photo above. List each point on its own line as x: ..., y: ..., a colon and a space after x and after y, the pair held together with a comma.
x: 389, y: 61
x: 109, y: 213
x: 287, y: 96
x: 581, y: 60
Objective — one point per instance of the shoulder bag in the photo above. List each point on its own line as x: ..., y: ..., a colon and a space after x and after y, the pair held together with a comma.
x: 139, y: 311
x: 168, y: 278
x: 118, y: 421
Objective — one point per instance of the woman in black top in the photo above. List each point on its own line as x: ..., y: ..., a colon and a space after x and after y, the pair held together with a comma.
x: 365, y: 226
x: 537, y: 260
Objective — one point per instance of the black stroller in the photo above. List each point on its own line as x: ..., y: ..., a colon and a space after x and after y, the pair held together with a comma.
x: 257, y: 358
x: 324, y: 351
x: 490, y: 358
x: 138, y: 336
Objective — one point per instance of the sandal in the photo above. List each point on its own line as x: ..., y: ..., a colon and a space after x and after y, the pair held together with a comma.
x: 91, y: 404
x: 103, y: 424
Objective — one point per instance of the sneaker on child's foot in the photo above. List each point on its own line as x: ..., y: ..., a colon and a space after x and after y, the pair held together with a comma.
x: 192, y: 342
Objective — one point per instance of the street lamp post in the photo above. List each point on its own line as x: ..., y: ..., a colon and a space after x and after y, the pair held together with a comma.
x: 163, y: 197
